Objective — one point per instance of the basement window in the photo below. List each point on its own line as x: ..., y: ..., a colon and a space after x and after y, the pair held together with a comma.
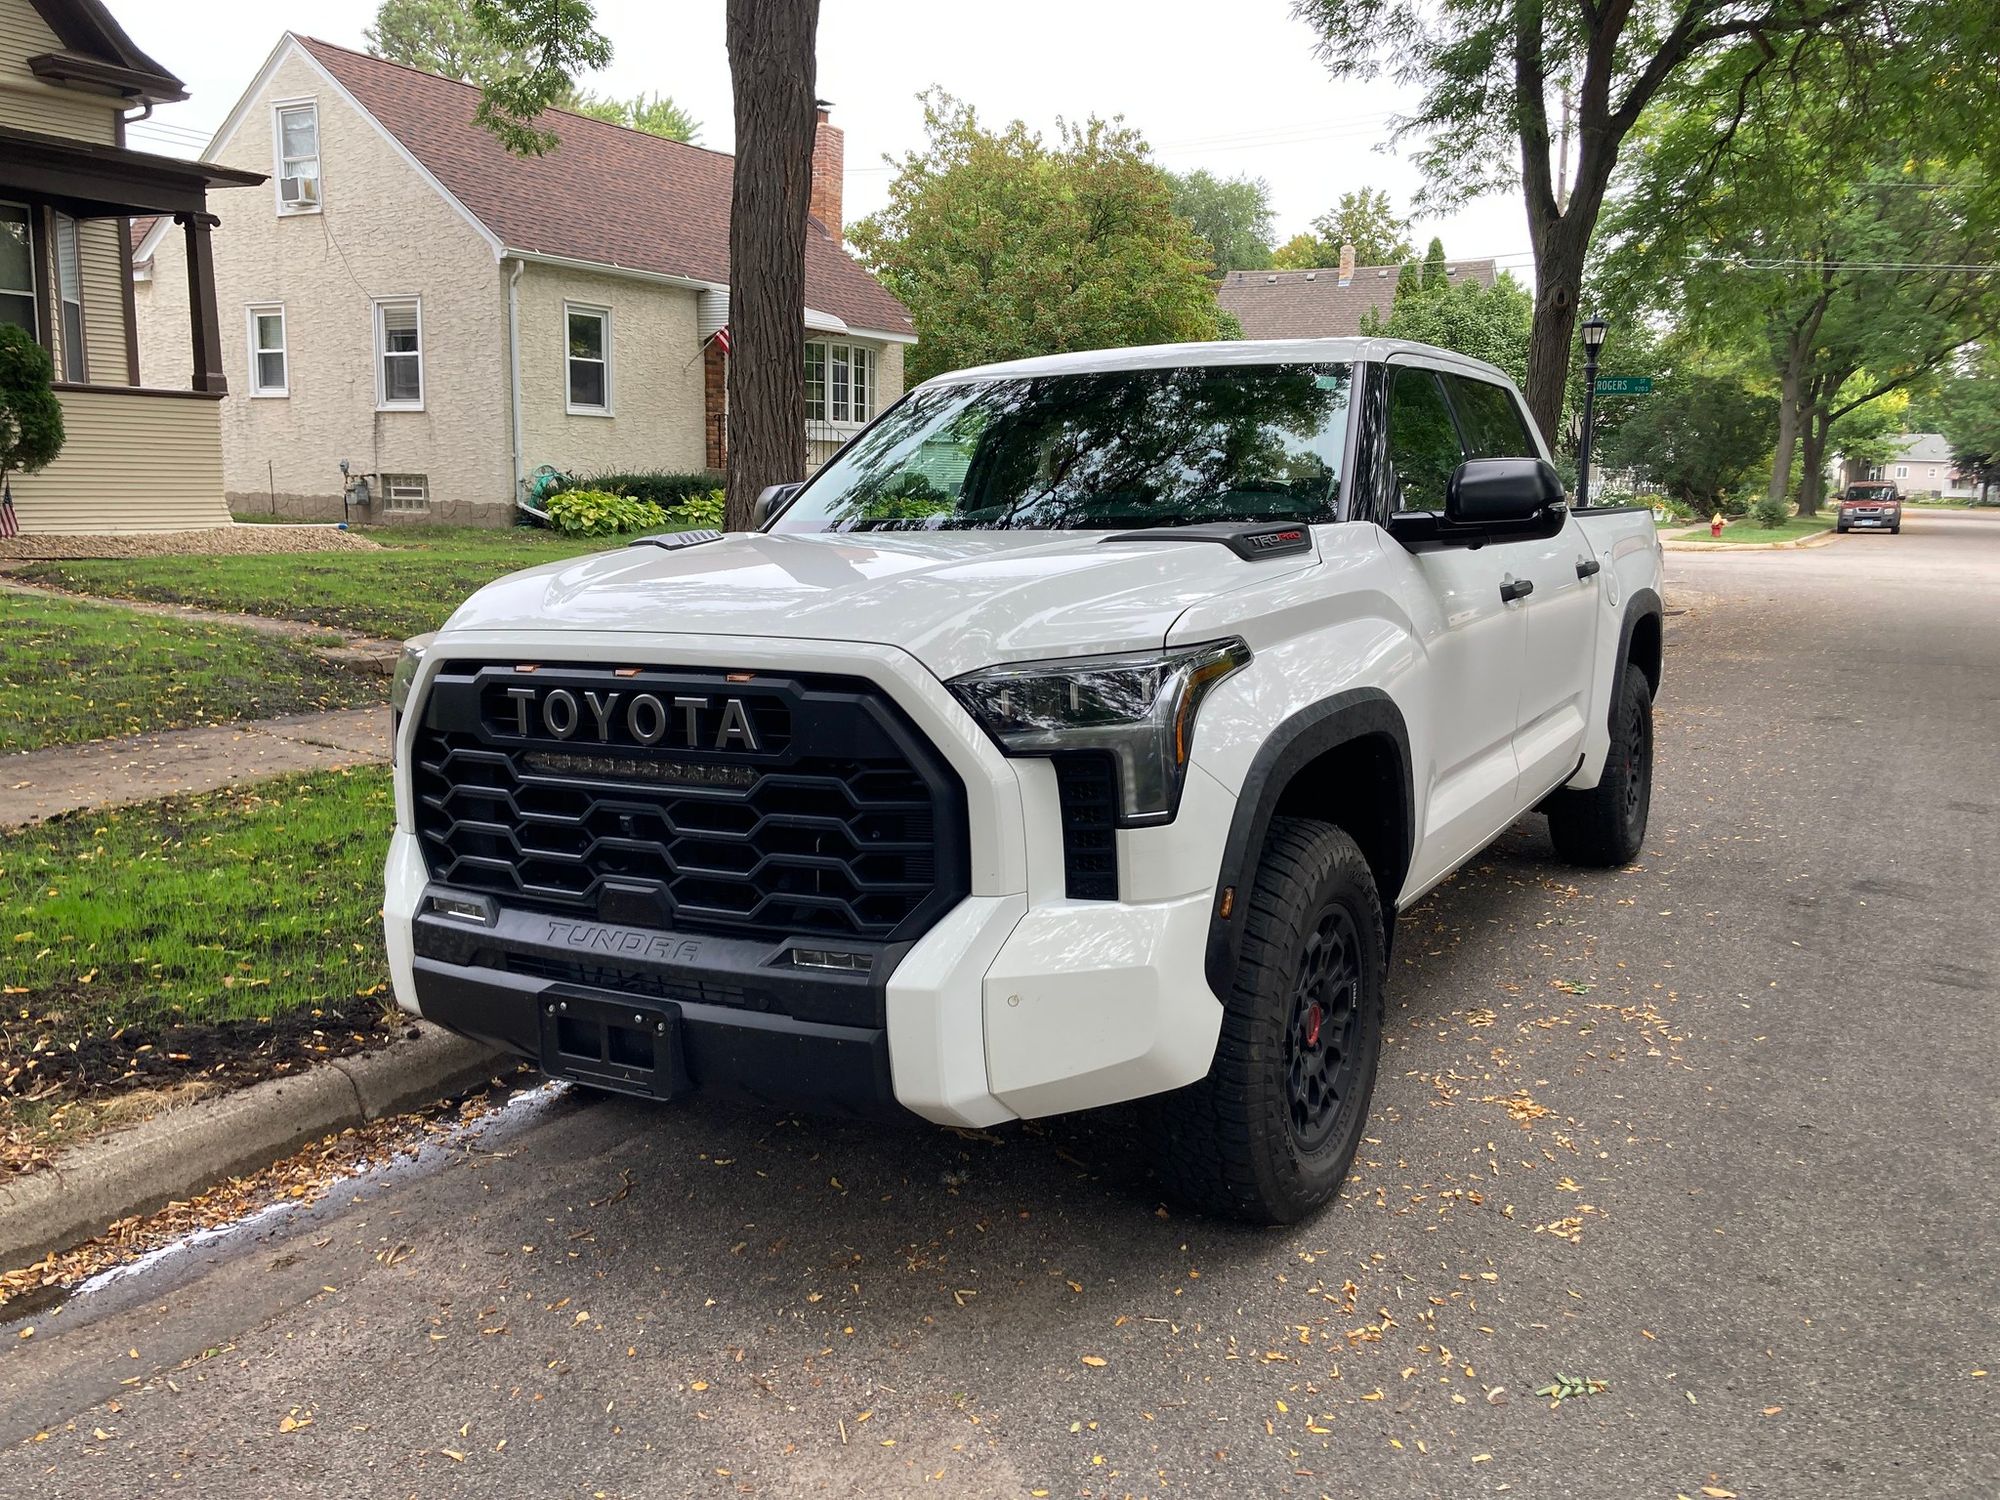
x: 404, y: 493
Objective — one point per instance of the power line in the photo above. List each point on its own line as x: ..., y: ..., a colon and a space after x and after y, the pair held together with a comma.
x: 1780, y: 263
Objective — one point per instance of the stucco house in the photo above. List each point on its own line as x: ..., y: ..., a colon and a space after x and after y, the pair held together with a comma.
x: 445, y: 318
x: 1922, y: 465
x: 136, y: 457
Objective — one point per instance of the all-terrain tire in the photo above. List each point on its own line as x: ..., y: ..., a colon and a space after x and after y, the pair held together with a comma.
x: 1605, y: 825
x: 1269, y: 1134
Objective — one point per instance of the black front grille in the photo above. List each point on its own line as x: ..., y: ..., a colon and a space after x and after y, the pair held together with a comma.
x: 1087, y: 790
x: 699, y: 801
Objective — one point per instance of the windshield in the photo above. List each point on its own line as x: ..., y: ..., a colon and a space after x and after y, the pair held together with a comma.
x: 1868, y: 491
x: 1101, y: 450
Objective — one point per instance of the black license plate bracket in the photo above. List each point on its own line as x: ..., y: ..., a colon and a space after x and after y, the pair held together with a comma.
x: 633, y: 1047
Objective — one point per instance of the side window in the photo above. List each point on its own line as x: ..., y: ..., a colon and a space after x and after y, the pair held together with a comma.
x: 1491, y: 417
x: 1423, y: 443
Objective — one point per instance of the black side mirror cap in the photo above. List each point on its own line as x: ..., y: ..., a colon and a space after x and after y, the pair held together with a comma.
x: 1500, y: 491
x: 772, y: 500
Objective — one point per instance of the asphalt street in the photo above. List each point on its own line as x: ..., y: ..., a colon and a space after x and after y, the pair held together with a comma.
x: 1716, y: 1131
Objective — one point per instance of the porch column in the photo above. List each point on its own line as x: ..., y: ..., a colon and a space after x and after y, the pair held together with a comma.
x: 203, y: 322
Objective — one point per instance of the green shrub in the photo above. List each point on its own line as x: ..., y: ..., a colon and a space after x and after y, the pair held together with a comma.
x: 1771, y: 513
x: 698, y: 510
x: 663, y: 487
x: 595, y: 513
x: 31, y: 419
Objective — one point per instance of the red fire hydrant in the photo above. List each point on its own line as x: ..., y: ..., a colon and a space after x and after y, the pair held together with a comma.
x: 1715, y: 525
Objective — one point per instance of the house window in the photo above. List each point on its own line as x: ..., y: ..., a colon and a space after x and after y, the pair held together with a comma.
x: 69, y: 299
x: 399, y: 355
x: 298, y: 158
x: 270, y: 372
x: 406, y: 492
x: 1902, y: 471
x: 17, y: 268
x: 840, y: 383
x: 587, y: 353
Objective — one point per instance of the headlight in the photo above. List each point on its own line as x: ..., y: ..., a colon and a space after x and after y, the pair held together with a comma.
x: 1140, y: 708
x: 407, y: 666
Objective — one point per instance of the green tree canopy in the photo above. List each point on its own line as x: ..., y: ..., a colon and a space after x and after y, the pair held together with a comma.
x: 1701, y: 437
x: 656, y: 114
x: 31, y: 419
x: 1365, y: 219
x: 1486, y: 322
x: 1232, y: 215
x: 439, y: 36
x: 1004, y: 245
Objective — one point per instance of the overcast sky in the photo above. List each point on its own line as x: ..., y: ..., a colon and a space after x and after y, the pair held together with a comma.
x: 1233, y: 88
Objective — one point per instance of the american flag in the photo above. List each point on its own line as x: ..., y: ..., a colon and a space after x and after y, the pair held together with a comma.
x: 721, y: 338
x: 10, y: 524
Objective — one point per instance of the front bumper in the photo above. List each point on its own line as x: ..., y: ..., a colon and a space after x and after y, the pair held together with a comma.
x: 1017, y: 1002
x: 1871, y: 519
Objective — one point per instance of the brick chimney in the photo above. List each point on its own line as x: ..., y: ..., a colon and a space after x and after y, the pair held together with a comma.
x: 1346, y: 262
x: 824, y: 204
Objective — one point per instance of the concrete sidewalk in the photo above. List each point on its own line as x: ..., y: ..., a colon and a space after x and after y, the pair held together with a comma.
x: 38, y: 784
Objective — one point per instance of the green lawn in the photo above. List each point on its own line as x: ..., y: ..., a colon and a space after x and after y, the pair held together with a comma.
x: 233, y: 906
x: 72, y: 671
x: 418, y: 578
x: 1746, y: 529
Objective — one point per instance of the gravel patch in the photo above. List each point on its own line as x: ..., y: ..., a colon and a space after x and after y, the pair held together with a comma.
x: 211, y: 540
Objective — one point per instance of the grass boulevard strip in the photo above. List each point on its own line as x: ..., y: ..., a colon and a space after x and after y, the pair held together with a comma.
x: 165, y: 949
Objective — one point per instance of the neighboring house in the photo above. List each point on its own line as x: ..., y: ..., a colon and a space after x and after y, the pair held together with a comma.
x: 135, y: 458
x: 446, y: 318
x: 1322, y: 304
x: 1922, y: 465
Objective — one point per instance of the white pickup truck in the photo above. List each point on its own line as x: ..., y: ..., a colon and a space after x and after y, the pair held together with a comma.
x: 1075, y: 735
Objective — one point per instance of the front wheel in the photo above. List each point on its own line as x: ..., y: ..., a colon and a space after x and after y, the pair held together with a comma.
x: 1269, y: 1135
x: 1604, y: 825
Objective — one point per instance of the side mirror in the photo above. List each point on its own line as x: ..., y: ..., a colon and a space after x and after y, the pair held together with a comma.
x: 770, y: 502
x: 1500, y: 491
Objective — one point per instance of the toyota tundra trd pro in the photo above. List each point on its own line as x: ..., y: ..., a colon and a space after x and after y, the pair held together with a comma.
x: 1075, y: 735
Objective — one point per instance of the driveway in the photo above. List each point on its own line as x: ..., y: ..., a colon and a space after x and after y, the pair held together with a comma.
x: 1716, y: 1131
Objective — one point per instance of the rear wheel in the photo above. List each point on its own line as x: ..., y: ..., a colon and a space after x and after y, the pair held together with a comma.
x: 1269, y: 1135
x: 1605, y: 824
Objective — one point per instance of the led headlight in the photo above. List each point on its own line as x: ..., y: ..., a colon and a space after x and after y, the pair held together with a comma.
x: 407, y: 666
x: 1140, y: 708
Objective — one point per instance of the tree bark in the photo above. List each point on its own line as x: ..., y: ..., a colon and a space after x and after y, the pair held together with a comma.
x: 1812, y: 455
x: 772, y: 70
x: 1788, y: 433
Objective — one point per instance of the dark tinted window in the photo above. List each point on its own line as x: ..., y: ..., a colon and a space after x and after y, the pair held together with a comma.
x: 1494, y: 426
x: 1106, y: 449
x: 1423, y: 443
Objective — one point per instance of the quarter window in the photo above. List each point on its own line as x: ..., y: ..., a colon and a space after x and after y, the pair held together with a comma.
x: 1491, y: 417
x: 588, y: 358
x: 270, y: 373
x: 17, y: 268
x: 1423, y: 444
x: 69, y: 298
x: 840, y: 383
x: 399, y: 355
x: 298, y: 158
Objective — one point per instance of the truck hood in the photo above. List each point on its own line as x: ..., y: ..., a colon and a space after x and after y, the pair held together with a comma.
x: 956, y: 600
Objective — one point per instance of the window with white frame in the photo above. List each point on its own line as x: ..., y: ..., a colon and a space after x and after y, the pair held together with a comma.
x: 297, y: 132
x: 840, y: 383
x: 399, y: 355
x: 270, y: 368
x: 406, y: 492
x: 1902, y: 471
x: 17, y: 267
x: 69, y: 301
x: 587, y: 358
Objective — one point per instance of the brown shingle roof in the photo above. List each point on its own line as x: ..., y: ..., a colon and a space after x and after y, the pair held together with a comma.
x: 140, y: 227
x: 1314, y: 305
x: 607, y: 195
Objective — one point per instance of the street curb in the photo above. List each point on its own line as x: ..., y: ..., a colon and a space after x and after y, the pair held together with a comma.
x: 183, y: 1151
x: 1679, y: 544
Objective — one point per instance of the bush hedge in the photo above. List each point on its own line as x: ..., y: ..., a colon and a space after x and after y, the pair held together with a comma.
x: 596, y: 513
x: 663, y: 487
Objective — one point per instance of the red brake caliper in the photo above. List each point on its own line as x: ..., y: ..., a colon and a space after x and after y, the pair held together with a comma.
x: 1312, y: 1025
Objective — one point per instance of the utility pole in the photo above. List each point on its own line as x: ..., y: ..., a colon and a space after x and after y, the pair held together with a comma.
x: 1562, y: 155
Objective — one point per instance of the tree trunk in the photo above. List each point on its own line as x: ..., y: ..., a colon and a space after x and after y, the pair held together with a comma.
x: 1812, y: 453
x: 772, y: 74
x: 1788, y: 433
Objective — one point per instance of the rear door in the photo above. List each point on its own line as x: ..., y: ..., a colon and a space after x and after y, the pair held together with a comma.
x: 1473, y: 642
x: 1561, y: 612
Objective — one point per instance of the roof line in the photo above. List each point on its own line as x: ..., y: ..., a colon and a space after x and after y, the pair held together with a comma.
x: 391, y: 62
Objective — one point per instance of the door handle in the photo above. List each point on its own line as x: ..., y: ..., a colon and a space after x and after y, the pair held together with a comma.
x: 1516, y: 588
x: 1588, y: 567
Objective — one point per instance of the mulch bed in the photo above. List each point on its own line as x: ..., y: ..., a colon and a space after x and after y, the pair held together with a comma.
x: 207, y: 541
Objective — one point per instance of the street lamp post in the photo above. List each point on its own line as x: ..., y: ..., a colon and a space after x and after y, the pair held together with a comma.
x: 1594, y: 329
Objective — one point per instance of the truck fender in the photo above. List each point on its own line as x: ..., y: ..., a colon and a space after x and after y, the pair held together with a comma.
x: 1643, y: 605
x: 1294, y: 744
